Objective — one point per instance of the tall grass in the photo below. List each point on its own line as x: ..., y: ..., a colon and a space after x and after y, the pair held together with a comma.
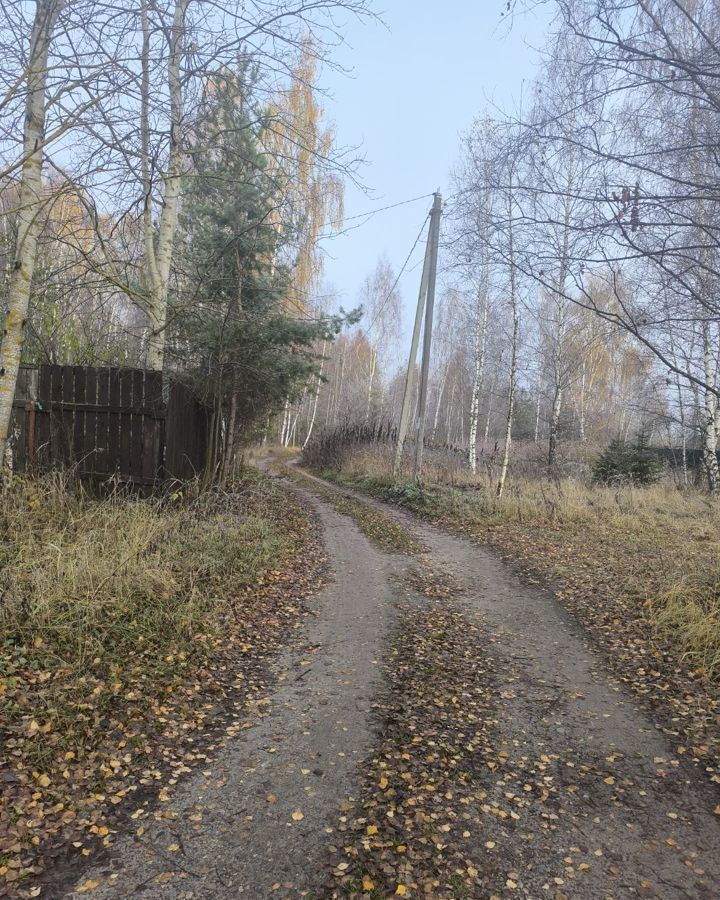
x: 89, y: 577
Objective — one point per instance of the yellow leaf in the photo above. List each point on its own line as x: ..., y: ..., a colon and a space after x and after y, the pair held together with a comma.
x: 609, y: 780
x: 298, y: 815
x: 383, y: 783
x: 367, y: 884
x: 103, y: 830
x: 401, y: 889
x: 173, y: 848
x: 89, y: 885
x: 372, y: 829
x: 44, y: 781
x: 490, y: 844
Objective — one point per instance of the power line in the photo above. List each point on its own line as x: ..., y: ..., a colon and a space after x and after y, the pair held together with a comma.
x: 369, y: 215
x: 400, y: 273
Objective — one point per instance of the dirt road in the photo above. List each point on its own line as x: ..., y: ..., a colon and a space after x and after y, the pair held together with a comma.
x: 571, y: 792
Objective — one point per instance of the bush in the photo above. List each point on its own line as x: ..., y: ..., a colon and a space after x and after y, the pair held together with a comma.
x: 625, y: 463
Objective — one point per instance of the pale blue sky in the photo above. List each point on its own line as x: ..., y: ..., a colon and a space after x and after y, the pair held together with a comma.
x: 416, y: 86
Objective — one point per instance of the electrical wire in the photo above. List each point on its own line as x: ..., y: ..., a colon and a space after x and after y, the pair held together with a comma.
x: 369, y: 215
x: 400, y: 273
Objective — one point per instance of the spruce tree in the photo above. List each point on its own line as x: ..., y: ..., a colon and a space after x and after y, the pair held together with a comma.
x: 233, y: 335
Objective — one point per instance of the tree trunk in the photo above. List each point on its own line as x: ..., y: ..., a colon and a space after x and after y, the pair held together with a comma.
x: 29, y: 212
x: 710, y: 443
x: 513, y: 361
x: 438, y: 401
x: 554, y: 425
x: 373, y: 365
x: 317, y: 396
x: 582, y: 402
x: 230, y: 435
x: 158, y: 259
x: 480, y: 343
x: 285, y: 424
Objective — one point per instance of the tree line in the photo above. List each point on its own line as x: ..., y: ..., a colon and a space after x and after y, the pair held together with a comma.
x: 581, y: 256
x: 165, y: 171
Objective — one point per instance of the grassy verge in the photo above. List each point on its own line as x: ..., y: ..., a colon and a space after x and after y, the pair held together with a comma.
x: 129, y: 628
x: 638, y: 567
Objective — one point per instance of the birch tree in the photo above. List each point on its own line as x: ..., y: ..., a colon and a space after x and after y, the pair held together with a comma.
x: 30, y: 205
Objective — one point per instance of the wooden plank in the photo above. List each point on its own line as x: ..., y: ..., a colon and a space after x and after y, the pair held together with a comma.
x: 89, y: 447
x: 135, y: 461
x: 102, y: 426
x: 113, y: 421
x: 125, y: 422
x: 79, y: 382
x: 139, y: 410
x: 186, y: 434
x: 43, y: 448
x: 59, y: 437
x: 153, y: 426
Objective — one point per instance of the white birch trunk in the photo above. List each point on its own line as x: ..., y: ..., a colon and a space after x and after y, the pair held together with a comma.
x: 316, y: 398
x: 513, y: 358
x: 710, y: 442
x: 285, y: 424
x: 373, y: 366
x: 480, y: 342
x: 158, y: 258
x: 29, y: 213
x: 438, y: 402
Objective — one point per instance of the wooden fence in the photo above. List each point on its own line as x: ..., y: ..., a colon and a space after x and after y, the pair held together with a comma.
x: 108, y: 423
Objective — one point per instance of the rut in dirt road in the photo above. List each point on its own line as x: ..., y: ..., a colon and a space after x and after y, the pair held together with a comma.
x: 253, y: 824
x: 555, y: 784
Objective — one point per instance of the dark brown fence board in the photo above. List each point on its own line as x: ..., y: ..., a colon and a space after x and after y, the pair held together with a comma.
x: 108, y: 421
x: 126, y: 386
x: 186, y: 439
x: 153, y: 425
x: 77, y: 417
x: 59, y: 392
x: 90, y: 444
x: 136, y: 424
x: 114, y: 423
x: 102, y: 427
x: 43, y: 450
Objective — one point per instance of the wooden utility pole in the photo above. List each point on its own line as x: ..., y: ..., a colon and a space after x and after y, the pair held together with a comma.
x: 410, y: 376
x: 428, y: 275
x: 433, y: 243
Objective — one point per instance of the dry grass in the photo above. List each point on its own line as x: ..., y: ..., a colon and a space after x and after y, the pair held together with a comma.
x: 88, y: 577
x: 105, y: 594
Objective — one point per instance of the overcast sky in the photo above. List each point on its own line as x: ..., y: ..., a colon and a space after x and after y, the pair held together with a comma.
x: 417, y: 84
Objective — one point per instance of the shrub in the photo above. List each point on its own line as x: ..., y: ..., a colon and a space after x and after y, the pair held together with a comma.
x: 627, y: 463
